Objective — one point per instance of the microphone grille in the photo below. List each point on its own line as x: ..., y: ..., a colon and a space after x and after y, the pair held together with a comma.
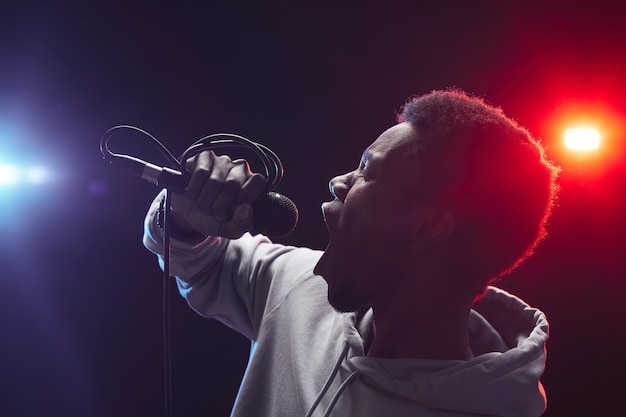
x: 274, y: 215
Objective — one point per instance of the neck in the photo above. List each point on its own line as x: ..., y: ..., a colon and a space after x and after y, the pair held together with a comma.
x: 427, y: 329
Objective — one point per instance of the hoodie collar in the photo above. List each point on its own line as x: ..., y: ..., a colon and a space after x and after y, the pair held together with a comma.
x: 508, y: 341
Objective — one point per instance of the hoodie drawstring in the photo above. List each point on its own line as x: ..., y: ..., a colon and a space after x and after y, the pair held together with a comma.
x: 338, y: 393
x: 329, y: 381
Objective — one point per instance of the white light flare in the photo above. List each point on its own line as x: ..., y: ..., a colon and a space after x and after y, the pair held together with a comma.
x: 582, y: 139
x: 9, y: 175
x: 12, y: 175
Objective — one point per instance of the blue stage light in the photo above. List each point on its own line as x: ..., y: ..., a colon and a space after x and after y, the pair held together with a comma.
x: 37, y: 175
x: 14, y: 175
x: 9, y: 175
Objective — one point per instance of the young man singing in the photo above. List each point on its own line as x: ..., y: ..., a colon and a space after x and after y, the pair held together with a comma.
x: 397, y: 316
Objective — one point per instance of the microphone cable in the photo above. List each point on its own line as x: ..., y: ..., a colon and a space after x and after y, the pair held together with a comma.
x: 272, y: 165
x: 273, y: 168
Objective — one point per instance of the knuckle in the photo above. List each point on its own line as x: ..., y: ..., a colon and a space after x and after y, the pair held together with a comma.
x: 191, y: 163
x: 202, y: 170
x: 213, y: 183
x: 223, y: 159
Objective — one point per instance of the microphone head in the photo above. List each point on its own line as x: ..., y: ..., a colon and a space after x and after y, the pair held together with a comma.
x: 274, y: 215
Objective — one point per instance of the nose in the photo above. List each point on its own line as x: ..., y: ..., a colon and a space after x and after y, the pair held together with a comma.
x: 339, y: 186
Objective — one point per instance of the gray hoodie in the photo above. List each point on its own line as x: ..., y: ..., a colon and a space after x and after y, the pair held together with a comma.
x: 308, y: 360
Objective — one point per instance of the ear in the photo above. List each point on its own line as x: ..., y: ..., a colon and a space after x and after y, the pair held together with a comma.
x: 433, y: 228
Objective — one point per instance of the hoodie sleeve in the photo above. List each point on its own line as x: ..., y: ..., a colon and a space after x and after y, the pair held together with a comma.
x: 234, y: 281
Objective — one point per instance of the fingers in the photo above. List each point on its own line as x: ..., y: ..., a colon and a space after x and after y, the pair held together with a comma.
x: 222, y: 202
x: 251, y: 189
x: 218, y: 197
x: 232, y: 228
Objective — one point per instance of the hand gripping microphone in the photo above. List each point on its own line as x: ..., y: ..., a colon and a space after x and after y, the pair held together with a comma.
x: 274, y: 214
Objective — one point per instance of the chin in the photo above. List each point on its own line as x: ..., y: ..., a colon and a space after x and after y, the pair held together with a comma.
x: 341, y: 295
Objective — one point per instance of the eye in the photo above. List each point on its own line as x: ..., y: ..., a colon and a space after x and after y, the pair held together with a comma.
x: 364, y: 170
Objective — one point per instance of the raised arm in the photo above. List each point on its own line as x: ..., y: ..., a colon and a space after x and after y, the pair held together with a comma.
x: 221, y: 272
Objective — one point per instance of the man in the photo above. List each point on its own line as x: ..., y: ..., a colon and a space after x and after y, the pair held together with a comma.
x: 403, y: 322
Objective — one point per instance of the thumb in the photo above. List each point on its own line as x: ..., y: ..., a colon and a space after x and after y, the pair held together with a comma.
x: 233, y: 228
x: 241, y: 222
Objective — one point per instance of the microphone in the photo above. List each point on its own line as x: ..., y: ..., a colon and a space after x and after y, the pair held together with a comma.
x: 274, y: 215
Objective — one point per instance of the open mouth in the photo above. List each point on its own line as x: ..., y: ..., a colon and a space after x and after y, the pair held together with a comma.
x: 329, y: 214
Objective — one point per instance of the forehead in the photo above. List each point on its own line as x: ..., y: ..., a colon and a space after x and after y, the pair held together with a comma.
x: 393, y: 143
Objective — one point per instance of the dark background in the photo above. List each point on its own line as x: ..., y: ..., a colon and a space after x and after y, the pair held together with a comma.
x: 80, y: 298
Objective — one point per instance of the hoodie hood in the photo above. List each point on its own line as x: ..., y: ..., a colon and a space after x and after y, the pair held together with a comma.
x: 508, y: 341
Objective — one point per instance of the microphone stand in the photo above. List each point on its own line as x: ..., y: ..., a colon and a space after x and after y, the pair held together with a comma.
x: 167, y: 316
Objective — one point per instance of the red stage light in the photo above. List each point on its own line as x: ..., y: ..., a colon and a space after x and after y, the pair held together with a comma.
x: 585, y: 138
x: 582, y: 139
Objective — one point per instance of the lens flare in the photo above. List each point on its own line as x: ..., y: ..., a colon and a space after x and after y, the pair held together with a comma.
x: 9, y: 175
x: 582, y: 139
x: 36, y: 175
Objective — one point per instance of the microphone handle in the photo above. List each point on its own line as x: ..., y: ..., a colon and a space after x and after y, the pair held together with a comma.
x: 274, y: 214
x: 162, y: 176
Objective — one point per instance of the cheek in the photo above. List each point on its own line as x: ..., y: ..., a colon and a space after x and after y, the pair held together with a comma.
x: 375, y: 241
x: 381, y: 219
